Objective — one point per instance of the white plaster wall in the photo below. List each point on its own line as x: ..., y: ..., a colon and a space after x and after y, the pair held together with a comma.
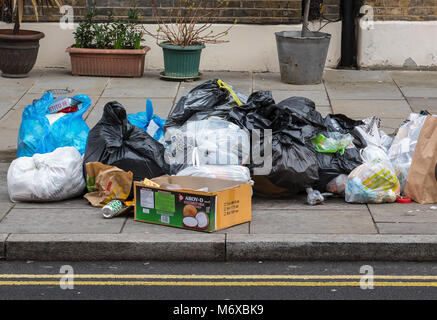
x: 396, y: 44
x: 250, y: 47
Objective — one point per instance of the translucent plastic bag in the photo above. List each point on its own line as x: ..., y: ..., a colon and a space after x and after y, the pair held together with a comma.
x: 218, y: 142
x: 337, y: 185
x: 238, y: 173
x: 374, y: 181
x: 369, y: 133
x: 149, y: 122
x: 51, y: 176
x: 42, y: 131
x: 332, y: 142
x: 402, y: 149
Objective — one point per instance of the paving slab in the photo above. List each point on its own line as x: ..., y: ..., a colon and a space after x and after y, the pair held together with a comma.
x: 272, y: 81
x: 298, y: 202
x: 407, y: 212
x: 292, y: 247
x: 420, y: 79
x: 7, y: 104
x: 361, y: 109
x: 324, y: 110
x: 363, y: 91
x: 13, y: 91
x: 10, y: 96
x: 311, y: 221
x: 4, y: 195
x: 235, y: 79
x: 60, y: 220
x: 98, y: 247
x: 419, y: 104
x: 345, y: 76
x: 419, y: 92
x: 76, y: 203
x: 9, y: 126
x: 5, y: 207
x: 22, y: 82
x: 407, y: 228
x: 133, y: 226
x: 149, y: 86
x: 320, y: 98
x: 91, y: 86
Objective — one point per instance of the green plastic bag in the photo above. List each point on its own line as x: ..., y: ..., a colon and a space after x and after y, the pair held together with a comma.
x: 332, y: 142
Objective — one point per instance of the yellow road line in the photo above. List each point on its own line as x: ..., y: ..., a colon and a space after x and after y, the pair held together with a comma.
x: 217, y: 276
x: 218, y: 284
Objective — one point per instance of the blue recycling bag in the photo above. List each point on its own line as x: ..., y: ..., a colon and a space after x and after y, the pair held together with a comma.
x: 149, y: 122
x: 42, y: 132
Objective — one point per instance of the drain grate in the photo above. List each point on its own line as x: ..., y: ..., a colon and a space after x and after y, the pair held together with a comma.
x: 59, y: 92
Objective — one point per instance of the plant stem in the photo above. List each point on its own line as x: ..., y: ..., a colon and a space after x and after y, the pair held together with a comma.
x: 305, y: 19
x: 17, y: 23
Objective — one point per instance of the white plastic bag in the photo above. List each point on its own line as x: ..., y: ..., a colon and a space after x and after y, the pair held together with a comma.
x: 369, y: 131
x: 402, y: 149
x: 218, y: 142
x: 374, y: 181
x: 238, y: 173
x: 371, y: 134
x: 53, y: 176
x: 225, y: 172
x: 337, y: 185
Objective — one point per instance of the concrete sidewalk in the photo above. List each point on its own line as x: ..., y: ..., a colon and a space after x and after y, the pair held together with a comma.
x: 280, y: 230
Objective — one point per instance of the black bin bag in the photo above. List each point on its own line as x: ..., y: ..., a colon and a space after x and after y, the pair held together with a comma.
x: 333, y: 165
x: 211, y: 98
x: 114, y: 141
x: 293, y: 123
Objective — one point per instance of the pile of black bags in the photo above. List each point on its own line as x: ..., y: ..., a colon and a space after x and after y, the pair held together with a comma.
x: 294, y: 122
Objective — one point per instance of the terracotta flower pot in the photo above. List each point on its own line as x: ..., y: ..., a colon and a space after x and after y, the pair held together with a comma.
x: 107, y: 62
x: 18, y: 52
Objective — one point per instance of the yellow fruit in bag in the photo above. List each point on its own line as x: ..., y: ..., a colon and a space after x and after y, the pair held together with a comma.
x: 374, y: 181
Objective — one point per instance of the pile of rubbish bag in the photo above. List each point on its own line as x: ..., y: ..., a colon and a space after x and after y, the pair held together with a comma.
x: 320, y: 155
x: 216, y: 131
x: 55, y: 147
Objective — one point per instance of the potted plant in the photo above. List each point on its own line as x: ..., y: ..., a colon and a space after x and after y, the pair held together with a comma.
x: 18, y: 47
x: 112, y: 48
x: 302, y: 54
x: 183, y: 33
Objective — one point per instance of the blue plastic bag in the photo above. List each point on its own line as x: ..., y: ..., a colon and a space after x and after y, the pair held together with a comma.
x: 149, y: 122
x: 38, y: 135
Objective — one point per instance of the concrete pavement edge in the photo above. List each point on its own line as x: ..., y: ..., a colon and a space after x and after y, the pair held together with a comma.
x: 3, y: 238
x: 218, y: 247
x: 331, y: 247
x: 115, y: 247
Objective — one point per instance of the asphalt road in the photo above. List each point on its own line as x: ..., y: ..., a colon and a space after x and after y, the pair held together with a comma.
x: 217, y: 281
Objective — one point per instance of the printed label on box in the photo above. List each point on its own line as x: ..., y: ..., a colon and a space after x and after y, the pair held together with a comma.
x: 147, y: 198
x: 176, y: 209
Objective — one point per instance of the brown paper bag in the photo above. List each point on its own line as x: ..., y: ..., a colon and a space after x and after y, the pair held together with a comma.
x: 106, y: 183
x: 421, y: 183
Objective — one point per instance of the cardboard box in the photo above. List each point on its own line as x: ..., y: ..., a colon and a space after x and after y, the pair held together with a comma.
x: 225, y: 204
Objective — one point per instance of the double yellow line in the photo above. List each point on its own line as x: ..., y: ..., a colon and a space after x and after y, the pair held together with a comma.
x: 217, y: 280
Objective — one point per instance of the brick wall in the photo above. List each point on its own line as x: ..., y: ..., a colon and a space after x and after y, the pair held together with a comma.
x: 408, y: 10
x: 245, y: 11
x: 260, y: 11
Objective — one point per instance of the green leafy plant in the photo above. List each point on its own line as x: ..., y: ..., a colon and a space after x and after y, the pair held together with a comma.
x: 189, y: 22
x: 111, y: 34
x: 12, y: 10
